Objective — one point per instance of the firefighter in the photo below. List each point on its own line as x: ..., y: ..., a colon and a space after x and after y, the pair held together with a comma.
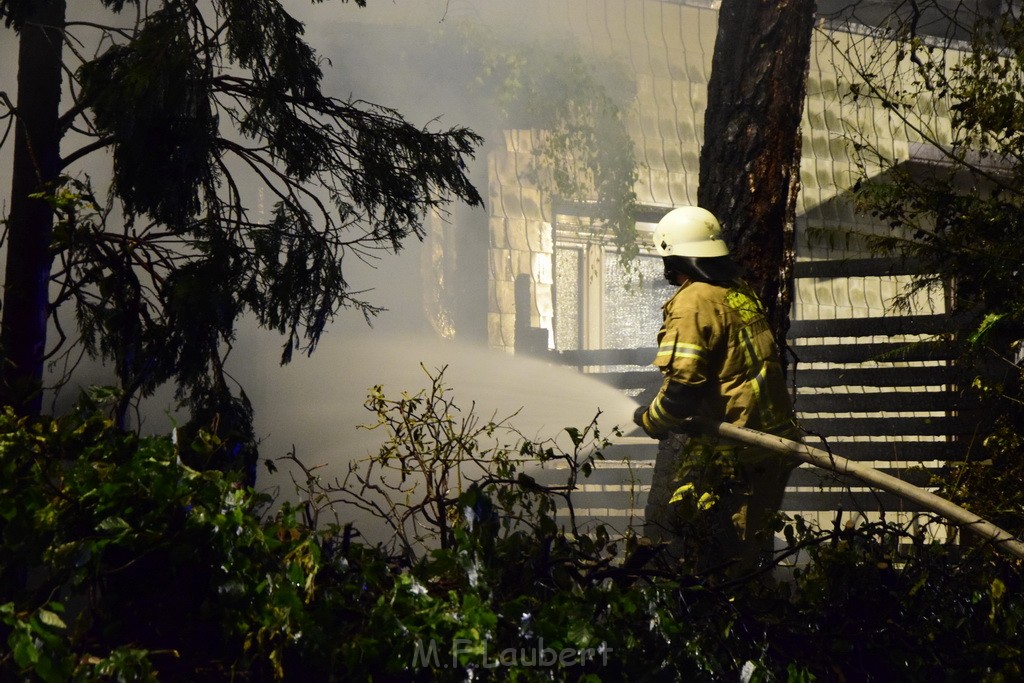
x: 720, y: 360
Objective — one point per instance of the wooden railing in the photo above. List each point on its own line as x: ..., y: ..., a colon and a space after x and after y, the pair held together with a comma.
x: 894, y: 404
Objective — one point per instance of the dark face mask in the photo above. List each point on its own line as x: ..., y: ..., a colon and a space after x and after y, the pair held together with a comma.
x: 714, y: 269
x: 672, y: 275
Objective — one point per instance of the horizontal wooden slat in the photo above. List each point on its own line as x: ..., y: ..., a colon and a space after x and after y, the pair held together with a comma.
x: 862, y: 267
x: 866, y: 501
x: 583, y: 500
x: 883, y: 426
x: 641, y: 479
x: 898, y: 451
x: 642, y: 453
x: 608, y: 499
x: 804, y: 476
x: 863, y: 327
x: 629, y: 380
x: 815, y: 500
x: 603, y: 475
x: 878, y: 402
x: 805, y: 353
x: 875, y: 376
x: 883, y: 352
x: 583, y: 357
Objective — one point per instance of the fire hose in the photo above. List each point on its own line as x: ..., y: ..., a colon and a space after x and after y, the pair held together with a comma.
x: 964, y: 519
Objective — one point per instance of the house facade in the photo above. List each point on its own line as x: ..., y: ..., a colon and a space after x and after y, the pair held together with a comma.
x: 577, y: 293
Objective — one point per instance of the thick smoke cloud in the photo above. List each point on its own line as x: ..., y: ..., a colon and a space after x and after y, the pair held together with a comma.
x: 380, y: 54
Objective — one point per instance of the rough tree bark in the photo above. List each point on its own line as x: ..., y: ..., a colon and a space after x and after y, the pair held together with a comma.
x: 750, y: 162
x: 36, y: 167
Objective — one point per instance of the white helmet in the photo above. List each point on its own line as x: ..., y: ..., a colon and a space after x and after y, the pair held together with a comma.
x: 689, y: 231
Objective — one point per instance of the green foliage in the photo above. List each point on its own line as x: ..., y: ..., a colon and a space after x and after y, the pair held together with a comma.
x: 990, y: 487
x: 881, y: 602
x: 439, y: 468
x: 239, y: 185
x: 169, y: 130
x: 104, y: 527
x: 120, y: 562
x: 584, y: 152
x: 960, y: 215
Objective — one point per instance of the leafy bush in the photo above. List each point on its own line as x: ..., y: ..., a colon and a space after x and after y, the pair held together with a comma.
x: 118, y: 557
x: 121, y: 562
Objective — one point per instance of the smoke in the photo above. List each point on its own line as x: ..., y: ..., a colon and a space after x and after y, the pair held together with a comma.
x: 391, y: 54
x: 315, y: 405
x: 384, y: 54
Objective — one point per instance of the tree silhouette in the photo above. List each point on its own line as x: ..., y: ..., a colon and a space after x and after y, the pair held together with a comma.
x: 238, y: 185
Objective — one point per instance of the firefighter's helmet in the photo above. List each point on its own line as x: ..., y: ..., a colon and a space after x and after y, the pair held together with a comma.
x: 690, y: 231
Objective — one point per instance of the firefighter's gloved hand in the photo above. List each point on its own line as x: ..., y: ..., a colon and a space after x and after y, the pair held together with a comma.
x: 690, y: 428
x: 641, y: 420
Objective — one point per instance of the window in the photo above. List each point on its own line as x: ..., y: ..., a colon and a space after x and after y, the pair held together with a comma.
x: 600, y: 306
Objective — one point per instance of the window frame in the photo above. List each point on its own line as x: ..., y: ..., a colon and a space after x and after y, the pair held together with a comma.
x: 570, y: 234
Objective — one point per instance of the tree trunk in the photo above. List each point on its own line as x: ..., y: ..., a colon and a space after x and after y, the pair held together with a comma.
x: 30, y: 227
x: 750, y: 162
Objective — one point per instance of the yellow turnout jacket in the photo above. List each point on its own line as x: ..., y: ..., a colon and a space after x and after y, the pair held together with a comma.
x: 720, y: 361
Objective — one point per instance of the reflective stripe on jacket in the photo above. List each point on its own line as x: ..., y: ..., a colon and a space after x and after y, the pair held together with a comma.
x: 720, y: 361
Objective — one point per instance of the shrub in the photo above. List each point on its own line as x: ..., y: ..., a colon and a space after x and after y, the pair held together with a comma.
x: 119, y: 561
